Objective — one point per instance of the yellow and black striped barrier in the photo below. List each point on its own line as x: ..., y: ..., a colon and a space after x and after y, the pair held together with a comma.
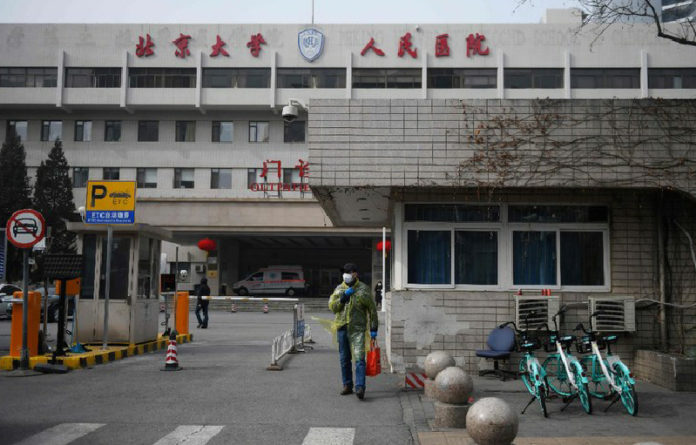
x: 96, y: 356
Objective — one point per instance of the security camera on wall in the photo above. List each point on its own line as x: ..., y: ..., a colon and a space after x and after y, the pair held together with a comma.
x: 291, y: 110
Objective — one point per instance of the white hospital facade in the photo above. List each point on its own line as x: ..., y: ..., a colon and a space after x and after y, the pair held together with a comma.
x: 391, y: 138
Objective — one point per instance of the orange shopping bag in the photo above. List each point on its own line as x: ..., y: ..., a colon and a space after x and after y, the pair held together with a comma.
x: 374, y: 365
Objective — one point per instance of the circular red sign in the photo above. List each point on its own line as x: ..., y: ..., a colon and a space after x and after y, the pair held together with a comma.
x: 25, y: 228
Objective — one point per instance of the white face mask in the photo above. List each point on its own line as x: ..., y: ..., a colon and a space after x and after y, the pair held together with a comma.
x: 348, y: 278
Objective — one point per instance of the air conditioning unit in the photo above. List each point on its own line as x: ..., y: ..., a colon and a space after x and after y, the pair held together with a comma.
x: 199, y: 268
x: 617, y: 313
x: 544, y: 308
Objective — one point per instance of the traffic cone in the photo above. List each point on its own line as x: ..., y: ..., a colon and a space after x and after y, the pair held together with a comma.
x: 171, y: 363
x: 233, y: 308
x: 265, y: 308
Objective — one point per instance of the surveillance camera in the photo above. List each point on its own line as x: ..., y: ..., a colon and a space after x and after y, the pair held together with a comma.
x: 183, y: 274
x: 289, y: 113
x: 81, y: 211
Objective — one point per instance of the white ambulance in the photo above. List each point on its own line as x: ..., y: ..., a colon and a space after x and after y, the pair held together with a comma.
x: 288, y: 280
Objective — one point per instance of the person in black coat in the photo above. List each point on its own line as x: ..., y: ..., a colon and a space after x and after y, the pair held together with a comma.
x: 201, y: 304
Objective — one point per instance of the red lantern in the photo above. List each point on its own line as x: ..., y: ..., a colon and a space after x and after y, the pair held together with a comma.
x: 386, y: 246
x: 207, y: 244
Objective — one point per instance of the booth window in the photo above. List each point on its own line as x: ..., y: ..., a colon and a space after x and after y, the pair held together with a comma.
x: 89, y: 252
x: 120, y: 267
x: 430, y: 258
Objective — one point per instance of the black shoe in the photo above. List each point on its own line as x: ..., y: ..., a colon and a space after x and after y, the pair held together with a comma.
x: 360, y: 393
x: 347, y: 390
x: 199, y: 325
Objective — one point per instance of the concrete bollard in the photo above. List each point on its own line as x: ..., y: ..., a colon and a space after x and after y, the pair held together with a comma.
x: 452, y: 389
x: 434, y: 363
x: 491, y: 421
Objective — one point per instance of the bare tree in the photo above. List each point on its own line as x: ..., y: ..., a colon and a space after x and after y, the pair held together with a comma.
x: 607, y: 13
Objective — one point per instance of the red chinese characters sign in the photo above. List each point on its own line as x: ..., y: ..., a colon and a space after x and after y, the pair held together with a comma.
x: 144, y: 46
x: 255, y: 43
x: 218, y: 48
x: 273, y: 171
x: 474, y: 46
x: 181, y: 43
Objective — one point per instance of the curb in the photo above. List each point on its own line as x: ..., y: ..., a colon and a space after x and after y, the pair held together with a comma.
x: 95, y: 357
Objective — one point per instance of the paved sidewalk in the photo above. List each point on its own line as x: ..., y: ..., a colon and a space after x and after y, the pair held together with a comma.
x: 664, y: 417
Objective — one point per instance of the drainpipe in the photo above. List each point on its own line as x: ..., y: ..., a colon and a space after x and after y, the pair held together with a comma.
x: 661, y: 271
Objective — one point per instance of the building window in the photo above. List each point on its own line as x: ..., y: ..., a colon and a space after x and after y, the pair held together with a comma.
x: 311, y: 77
x: 16, y: 128
x: 557, y: 246
x: 83, y: 131
x: 254, y: 177
x: 162, y: 77
x: 533, y: 77
x: 671, y: 78
x: 51, y: 130
x: 462, y: 78
x: 183, y: 178
x: 221, y: 178
x: 92, y: 77
x: 258, y: 131
x: 387, y: 78
x: 185, y: 131
x: 148, y: 131
x: 112, y: 131
x: 146, y: 178
x: 605, y: 78
x: 236, y: 77
x: 430, y: 256
x: 291, y: 176
x: 294, y: 131
x: 80, y: 177
x: 28, y: 77
x: 111, y: 174
x: 223, y: 131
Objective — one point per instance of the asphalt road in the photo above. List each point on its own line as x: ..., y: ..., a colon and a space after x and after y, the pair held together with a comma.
x: 224, y: 390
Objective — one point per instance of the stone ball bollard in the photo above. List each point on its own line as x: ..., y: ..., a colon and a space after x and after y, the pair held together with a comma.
x: 434, y: 363
x: 453, y: 387
x: 491, y: 421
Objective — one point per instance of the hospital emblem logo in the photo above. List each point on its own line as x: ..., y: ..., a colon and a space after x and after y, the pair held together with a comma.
x: 311, y: 43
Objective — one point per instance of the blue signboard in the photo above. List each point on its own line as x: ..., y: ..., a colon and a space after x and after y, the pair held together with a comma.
x: 110, y: 217
x: 3, y: 255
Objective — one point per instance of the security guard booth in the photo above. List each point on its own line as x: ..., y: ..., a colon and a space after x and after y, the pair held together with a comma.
x: 134, y: 295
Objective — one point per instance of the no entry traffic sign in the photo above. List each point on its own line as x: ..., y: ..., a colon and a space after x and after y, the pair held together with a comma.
x: 25, y: 228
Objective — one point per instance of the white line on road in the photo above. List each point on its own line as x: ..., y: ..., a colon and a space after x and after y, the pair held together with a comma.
x: 190, y: 435
x: 61, y: 434
x: 330, y: 436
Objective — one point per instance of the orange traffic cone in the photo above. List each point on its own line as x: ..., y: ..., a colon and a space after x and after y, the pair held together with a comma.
x: 171, y: 363
x: 265, y: 308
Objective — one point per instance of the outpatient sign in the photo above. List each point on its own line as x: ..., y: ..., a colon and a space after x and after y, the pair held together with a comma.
x: 110, y: 202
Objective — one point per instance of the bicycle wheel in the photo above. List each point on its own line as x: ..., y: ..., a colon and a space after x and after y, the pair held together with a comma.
x: 583, y: 390
x: 598, y: 385
x: 628, y: 392
x: 524, y: 374
x: 556, y: 375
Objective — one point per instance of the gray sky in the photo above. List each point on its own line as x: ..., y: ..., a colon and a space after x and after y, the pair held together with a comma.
x: 275, y: 11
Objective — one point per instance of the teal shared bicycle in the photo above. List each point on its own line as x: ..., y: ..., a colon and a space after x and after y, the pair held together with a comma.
x: 609, y: 377
x: 530, y: 370
x: 564, y: 373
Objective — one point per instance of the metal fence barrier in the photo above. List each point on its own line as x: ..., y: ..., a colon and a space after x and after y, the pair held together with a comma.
x: 291, y: 341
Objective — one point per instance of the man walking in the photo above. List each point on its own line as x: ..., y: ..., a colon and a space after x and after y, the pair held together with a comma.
x: 352, y: 303
x: 201, y: 304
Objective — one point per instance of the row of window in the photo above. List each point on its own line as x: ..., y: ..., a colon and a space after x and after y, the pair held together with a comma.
x: 220, y: 178
x: 528, y: 246
x: 148, y: 131
x: 362, y: 77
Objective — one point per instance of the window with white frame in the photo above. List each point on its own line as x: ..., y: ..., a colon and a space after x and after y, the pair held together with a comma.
x: 507, y: 246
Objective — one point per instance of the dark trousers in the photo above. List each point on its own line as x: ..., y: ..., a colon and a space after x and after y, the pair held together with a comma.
x: 204, y: 307
x: 346, y: 365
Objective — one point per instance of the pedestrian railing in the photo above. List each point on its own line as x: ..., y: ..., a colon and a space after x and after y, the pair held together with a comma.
x: 291, y: 341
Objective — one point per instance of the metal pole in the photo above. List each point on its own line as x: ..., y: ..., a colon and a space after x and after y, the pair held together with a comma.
x: 384, y: 266
x: 24, y: 359
x: 107, y: 284
x: 312, y: 12
x: 176, y: 284
x: 45, y: 310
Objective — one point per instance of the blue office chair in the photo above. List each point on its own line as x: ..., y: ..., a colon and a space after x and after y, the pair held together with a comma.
x: 501, y: 342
